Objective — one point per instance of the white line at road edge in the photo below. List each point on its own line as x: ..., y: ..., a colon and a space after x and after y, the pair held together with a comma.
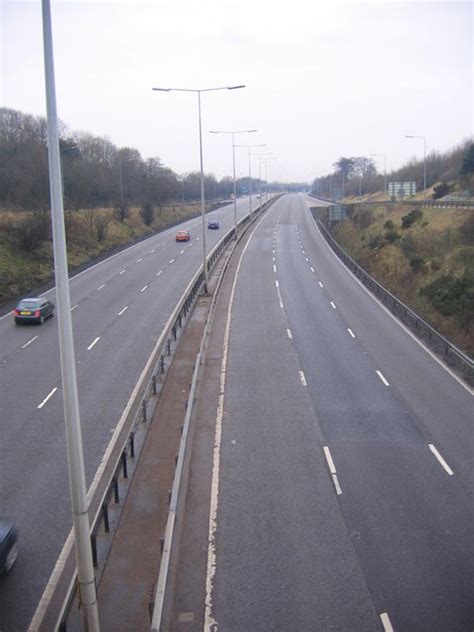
x: 47, y: 397
x: 392, y: 316
x: 210, y: 624
x: 387, y: 626
x: 440, y: 459
x: 93, y: 343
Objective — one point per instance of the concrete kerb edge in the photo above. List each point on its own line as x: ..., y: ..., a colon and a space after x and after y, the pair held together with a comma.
x: 160, y: 591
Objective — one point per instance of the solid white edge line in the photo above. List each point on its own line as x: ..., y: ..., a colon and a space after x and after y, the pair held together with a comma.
x: 93, y: 343
x: 392, y: 316
x: 290, y: 335
x: 382, y: 377
x: 302, y: 378
x: 47, y: 397
x: 122, y: 310
x: 29, y: 342
x: 440, y: 459
x: 331, y: 465
x: 387, y: 626
x: 210, y: 624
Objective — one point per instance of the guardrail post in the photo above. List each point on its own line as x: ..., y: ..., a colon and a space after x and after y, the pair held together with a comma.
x: 153, y: 384
x: 105, y: 513
x: 174, y: 332
x: 168, y: 346
x: 124, y: 464
x: 162, y: 363
x: 132, y: 444
x: 180, y: 321
x: 94, y: 549
x: 144, y: 411
x: 116, y: 490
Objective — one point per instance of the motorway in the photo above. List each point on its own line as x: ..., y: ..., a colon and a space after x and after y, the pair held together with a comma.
x: 344, y: 492
x: 119, y: 309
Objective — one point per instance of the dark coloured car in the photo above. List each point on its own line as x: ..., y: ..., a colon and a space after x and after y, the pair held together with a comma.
x: 8, y: 545
x: 33, y: 310
x: 213, y: 224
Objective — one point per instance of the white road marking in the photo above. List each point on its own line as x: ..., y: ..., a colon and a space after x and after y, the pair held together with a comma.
x: 381, y: 376
x: 122, y: 310
x: 290, y: 335
x: 181, y: 252
x: 277, y: 284
x: 93, y: 343
x: 312, y: 269
x: 47, y: 397
x: 320, y: 284
x: 303, y: 251
x: 332, y: 305
x: 73, y: 307
x: 351, y: 333
x: 273, y: 259
x: 144, y: 288
x: 387, y: 626
x: 171, y: 261
x: 440, y: 459
x: 332, y: 469
x: 198, y: 238
x: 152, y: 251
x: 122, y: 271
x: 159, y: 272
x: 302, y: 378
x: 29, y: 342
x: 138, y: 260
x: 274, y: 268
x: 331, y: 465
x: 101, y: 286
x: 280, y: 298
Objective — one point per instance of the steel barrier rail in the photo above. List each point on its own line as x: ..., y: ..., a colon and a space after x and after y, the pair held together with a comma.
x: 136, y: 413
x: 429, y: 203
x: 438, y: 343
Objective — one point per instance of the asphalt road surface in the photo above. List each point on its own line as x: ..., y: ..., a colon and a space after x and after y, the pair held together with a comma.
x: 345, y: 491
x: 119, y: 309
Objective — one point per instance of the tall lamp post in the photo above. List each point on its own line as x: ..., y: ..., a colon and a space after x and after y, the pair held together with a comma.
x: 233, y: 132
x: 203, y: 202
x: 249, y: 147
x: 384, y: 170
x: 75, y: 455
x: 423, y: 138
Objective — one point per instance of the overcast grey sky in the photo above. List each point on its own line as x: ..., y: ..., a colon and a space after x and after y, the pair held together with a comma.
x: 324, y: 78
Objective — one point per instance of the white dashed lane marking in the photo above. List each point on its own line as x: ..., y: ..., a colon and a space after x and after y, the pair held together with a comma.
x: 387, y: 626
x: 351, y: 333
x: 122, y: 271
x: 320, y: 284
x: 289, y: 334
x: 144, y: 288
x: 122, y: 310
x: 441, y: 460
x: 29, y: 342
x: 93, y: 343
x: 171, y: 261
x: 159, y: 272
x: 382, y: 377
x: 47, y: 397
x: 73, y: 307
x: 332, y: 305
x: 303, y: 379
x: 332, y: 469
x: 101, y: 286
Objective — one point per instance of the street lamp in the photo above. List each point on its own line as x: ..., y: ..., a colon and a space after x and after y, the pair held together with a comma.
x: 423, y: 138
x: 233, y: 132
x: 260, y: 158
x: 384, y: 169
x: 203, y: 204
x: 250, y: 172
x: 268, y: 163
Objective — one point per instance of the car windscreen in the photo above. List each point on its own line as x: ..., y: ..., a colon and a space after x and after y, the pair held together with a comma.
x: 28, y: 305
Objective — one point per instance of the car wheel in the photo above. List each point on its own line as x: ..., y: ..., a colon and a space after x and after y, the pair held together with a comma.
x: 11, y: 558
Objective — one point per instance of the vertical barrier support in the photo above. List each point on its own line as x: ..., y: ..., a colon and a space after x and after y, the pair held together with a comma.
x: 153, y: 384
x: 132, y: 444
x: 94, y: 549
x: 124, y: 464
x: 144, y: 411
x: 162, y: 363
x: 105, y: 513
x: 116, y: 490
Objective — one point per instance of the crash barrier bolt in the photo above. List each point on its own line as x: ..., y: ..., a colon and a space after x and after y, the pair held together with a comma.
x: 144, y: 411
x: 105, y: 513
x: 132, y: 444
x: 94, y: 549
x: 124, y: 464
x: 153, y: 384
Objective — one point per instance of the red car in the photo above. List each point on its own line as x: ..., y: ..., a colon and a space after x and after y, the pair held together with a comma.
x: 183, y: 235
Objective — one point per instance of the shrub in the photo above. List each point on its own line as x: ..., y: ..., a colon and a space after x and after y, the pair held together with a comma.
x: 147, y: 213
x: 417, y: 263
x: 31, y: 231
x: 122, y: 211
x: 363, y: 218
x: 101, y: 223
x: 453, y: 297
x: 391, y: 236
x: 441, y: 190
x: 411, y: 218
x: 389, y: 225
x: 376, y: 242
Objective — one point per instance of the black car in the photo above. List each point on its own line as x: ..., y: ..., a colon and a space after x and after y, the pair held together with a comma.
x: 213, y: 224
x: 8, y: 545
x: 33, y: 310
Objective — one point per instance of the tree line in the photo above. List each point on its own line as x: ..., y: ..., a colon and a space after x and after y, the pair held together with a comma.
x: 358, y: 175
x: 96, y: 173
